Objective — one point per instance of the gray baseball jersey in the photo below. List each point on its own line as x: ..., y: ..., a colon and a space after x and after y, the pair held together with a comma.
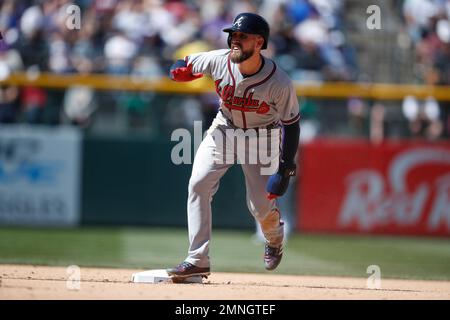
x: 251, y: 102
x: 262, y: 100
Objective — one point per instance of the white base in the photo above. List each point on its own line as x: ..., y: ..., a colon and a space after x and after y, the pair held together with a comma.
x: 159, y: 275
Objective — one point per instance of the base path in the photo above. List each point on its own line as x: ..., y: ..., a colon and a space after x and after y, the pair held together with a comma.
x: 43, y: 282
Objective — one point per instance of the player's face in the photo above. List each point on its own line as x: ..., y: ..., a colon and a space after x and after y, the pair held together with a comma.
x: 243, y: 46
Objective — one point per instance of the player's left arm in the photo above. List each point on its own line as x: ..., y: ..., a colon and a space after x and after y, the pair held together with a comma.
x: 279, y: 182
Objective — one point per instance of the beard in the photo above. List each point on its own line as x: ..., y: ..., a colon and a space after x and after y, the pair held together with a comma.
x: 241, y: 55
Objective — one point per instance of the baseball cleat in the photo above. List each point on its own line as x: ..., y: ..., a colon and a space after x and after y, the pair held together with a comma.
x: 187, y: 270
x: 272, y: 256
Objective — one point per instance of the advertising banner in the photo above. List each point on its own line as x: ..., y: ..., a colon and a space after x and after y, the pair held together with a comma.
x: 40, y: 175
x: 391, y: 188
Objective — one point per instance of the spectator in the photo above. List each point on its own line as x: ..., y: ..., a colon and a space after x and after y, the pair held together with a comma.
x: 33, y: 44
x: 33, y: 102
x: 424, y: 118
x: 79, y: 104
x: 377, y: 123
x: 358, y: 116
x: 119, y: 53
x: 442, y: 57
x: 8, y: 104
x: 417, y: 15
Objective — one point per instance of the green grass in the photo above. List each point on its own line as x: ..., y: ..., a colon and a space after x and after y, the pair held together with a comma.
x: 152, y: 248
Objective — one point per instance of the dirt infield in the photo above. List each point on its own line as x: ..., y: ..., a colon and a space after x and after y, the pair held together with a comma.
x: 42, y: 282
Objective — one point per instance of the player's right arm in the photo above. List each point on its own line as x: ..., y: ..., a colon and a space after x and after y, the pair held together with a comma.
x: 180, y: 71
x: 196, y: 65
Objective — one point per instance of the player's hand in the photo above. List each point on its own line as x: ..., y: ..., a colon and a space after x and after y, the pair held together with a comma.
x: 279, y: 182
x: 183, y: 73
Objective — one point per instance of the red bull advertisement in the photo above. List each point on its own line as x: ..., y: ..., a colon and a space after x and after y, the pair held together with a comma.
x: 396, y: 187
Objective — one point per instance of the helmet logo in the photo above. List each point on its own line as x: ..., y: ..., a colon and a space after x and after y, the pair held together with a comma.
x: 238, y: 22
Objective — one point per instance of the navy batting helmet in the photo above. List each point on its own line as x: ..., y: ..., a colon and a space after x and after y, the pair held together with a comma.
x: 249, y: 23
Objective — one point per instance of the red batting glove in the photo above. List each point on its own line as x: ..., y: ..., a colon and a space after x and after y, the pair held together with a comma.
x: 185, y: 74
x: 271, y: 196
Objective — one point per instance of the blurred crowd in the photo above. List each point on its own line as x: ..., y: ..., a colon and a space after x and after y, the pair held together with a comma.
x: 142, y: 37
x: 427, y: 23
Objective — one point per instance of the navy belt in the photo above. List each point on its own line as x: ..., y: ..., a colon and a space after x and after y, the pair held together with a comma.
x: 273, y: 125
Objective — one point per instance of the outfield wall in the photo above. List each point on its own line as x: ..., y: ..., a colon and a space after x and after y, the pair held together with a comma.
x: 132, y: 181
x: 56, y: 176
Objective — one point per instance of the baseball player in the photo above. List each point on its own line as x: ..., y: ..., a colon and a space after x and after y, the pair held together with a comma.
x: 255, y: 96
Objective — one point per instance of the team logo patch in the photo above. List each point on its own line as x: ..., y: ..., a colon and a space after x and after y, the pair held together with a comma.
x: 238, y: 22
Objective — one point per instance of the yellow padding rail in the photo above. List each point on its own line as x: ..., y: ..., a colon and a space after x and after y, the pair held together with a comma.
x: 377, y: 91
